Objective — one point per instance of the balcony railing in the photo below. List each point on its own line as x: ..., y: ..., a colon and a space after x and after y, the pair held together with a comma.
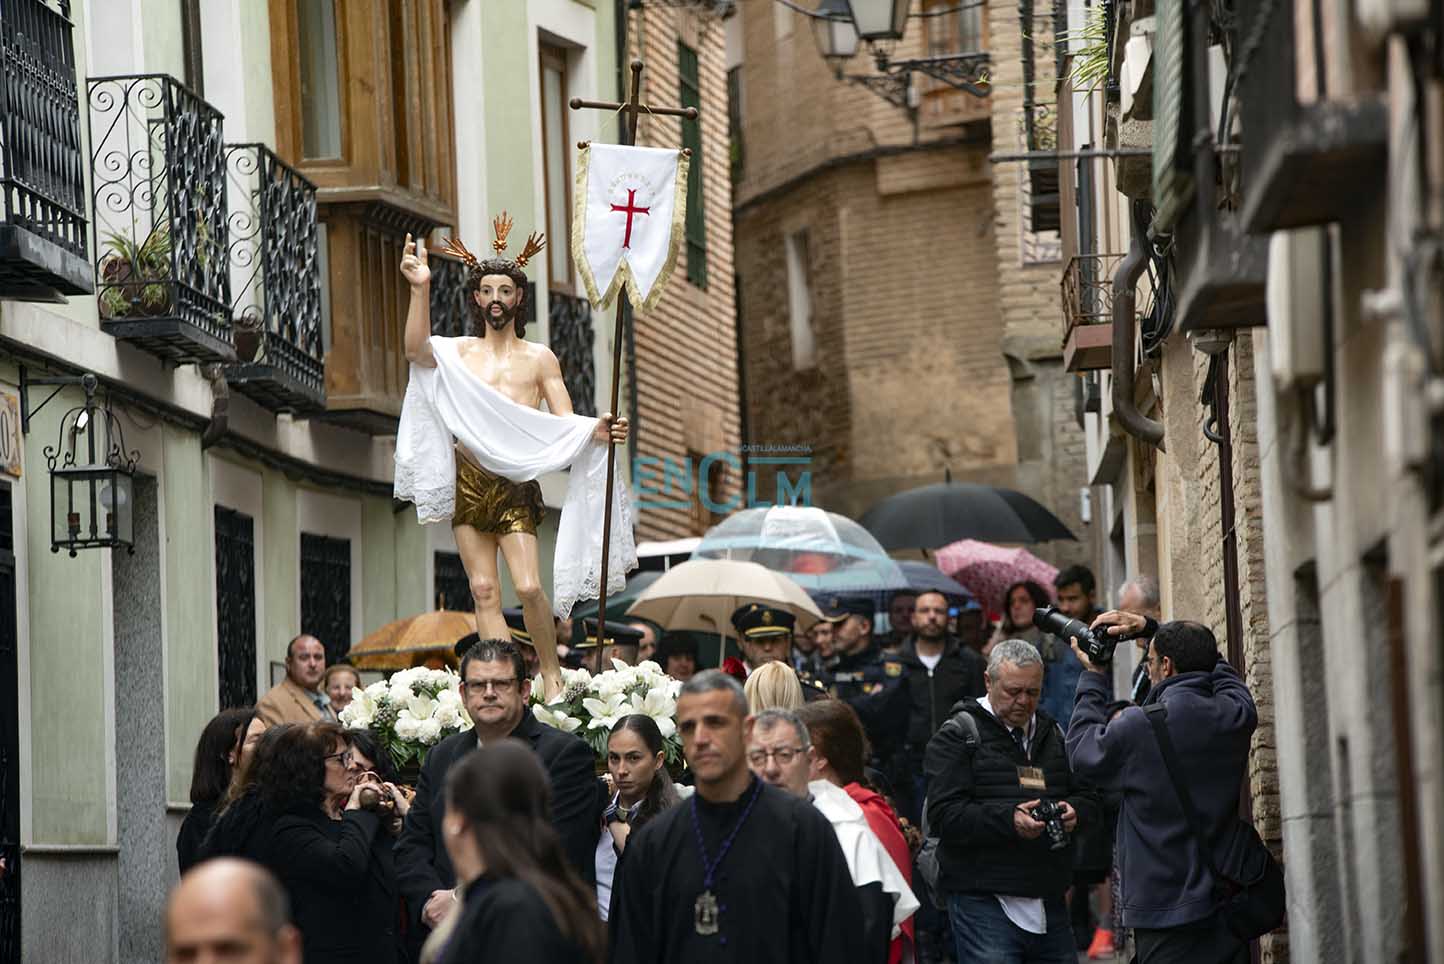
x: 42, y: 167
x: 570, y: 323
x: 1087, y: 292
x: 159, y: 171
x: 276, y: 279
x: 448, y: 296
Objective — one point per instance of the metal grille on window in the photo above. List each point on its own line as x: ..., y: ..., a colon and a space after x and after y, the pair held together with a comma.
x: 235, y: 607
x: 691, y: 96
x: 570, y: 321
x: 326, y: 592
x: 453, y: 589
x: 9, y: 742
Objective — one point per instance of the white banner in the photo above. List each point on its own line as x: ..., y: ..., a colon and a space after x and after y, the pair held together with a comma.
x: 627, y: 220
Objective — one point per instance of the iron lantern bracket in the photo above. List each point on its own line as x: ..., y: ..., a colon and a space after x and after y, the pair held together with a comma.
x: 87, y: 381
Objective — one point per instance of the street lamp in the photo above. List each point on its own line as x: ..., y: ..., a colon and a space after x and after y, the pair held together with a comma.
x: 92, y: 476
x: 835, y: 33
x: 879, y: 20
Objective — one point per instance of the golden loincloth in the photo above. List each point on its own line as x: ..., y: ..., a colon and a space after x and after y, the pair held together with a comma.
x: 494, y: 505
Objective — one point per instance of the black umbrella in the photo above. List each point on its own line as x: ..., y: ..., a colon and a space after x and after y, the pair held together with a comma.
x: 937, y: 515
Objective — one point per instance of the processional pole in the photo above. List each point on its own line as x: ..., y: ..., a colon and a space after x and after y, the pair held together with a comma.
x: 627, y: 135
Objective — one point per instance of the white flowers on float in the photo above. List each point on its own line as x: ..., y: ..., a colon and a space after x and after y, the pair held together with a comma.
x: 590, y: 706
x: 409, y: 713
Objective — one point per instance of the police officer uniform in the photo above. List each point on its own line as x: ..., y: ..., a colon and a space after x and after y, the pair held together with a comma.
x: 757, y: 621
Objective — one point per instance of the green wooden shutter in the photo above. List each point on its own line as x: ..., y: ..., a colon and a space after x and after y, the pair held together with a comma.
x: 690, y: 95
x: 1172, y: 183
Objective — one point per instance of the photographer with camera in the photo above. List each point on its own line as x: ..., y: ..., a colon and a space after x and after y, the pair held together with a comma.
x: 1197, y: 882
x: 1004, y: 806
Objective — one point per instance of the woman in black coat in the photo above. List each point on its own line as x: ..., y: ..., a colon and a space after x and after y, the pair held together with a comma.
x: 322, y: 845
x: 225, y: 744
x: 522, y: 902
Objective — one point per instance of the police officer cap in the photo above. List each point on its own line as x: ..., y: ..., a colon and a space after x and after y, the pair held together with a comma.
x: 517, y: 624
x: 617, y: 634
x: 758, y: 621
x: 843, y: 606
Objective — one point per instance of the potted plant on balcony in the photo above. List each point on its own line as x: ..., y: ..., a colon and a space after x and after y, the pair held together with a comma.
x: 135, y: 275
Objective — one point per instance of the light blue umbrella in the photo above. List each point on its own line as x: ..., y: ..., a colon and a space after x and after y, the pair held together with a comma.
x: 818, y: 550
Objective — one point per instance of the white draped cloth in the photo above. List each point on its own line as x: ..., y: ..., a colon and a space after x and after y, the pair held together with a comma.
x: 449, y: 402
x: 866, y: 857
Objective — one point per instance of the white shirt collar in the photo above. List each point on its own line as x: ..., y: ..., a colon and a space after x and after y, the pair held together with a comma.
x: 1027, y: 732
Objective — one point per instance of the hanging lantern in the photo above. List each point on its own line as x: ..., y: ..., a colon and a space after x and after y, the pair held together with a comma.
x: 92, y: 480
x: 879, y: 20
x: 834, y: 32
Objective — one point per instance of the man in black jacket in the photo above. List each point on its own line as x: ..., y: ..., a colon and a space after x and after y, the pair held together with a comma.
x: 495, y: 688
x: 988, y: 773
x: 936, y: 672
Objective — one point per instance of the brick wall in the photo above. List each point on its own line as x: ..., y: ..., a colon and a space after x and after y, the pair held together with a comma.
x: 1051, y: 447
x: 686, y: 348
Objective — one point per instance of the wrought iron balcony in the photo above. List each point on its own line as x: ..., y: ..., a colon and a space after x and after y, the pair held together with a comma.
x: 159, y: 173
x: 42, y: 167
x: 1087, y: 290
x: 570, y: 324
x: 276, y: 276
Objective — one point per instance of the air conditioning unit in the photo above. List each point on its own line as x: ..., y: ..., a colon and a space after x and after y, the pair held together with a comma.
x: 1294, y: 294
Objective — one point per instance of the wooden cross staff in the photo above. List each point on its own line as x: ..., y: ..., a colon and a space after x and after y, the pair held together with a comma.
x: 628, y: 135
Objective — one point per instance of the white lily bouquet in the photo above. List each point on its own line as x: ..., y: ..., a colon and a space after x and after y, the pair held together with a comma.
x: 591, y: 705
x: 409, y: 713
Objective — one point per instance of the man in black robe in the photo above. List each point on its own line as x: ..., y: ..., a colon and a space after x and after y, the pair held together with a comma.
x: 494, y: 688
x: 742, y: 871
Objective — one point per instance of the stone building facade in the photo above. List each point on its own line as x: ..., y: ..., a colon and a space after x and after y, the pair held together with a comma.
x: 889, y: 323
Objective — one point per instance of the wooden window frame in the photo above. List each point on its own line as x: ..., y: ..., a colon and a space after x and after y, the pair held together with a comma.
x: 286, y: 74
x: 556, y: 57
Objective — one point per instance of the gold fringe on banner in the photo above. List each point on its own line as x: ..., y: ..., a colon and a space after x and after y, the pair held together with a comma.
x: 624, y: 269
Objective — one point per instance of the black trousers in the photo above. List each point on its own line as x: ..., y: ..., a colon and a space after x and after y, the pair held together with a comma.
x: 1205, y: 942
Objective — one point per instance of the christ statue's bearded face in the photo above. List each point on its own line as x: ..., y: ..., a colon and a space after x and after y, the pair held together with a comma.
x: 499, y: 299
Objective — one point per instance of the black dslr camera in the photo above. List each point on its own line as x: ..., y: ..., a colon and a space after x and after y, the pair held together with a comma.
x: 1050, y: 812
x: 1099, y: 646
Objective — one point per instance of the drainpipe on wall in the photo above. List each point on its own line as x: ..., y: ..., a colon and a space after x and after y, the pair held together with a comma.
x: 1125, y: 280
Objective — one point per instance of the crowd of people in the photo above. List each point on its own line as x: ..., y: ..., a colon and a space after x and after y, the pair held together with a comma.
x: 938, y: 792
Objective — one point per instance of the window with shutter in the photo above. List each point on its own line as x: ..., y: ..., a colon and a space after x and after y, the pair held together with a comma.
x: 690, y: 95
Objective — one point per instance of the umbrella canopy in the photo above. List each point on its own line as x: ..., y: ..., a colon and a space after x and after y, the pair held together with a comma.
x: 936, y: 515
x: 617, y: 603
x: 986, y: 570
x: 395, y: 645
x: 819, y: 550
x: 701, y: 595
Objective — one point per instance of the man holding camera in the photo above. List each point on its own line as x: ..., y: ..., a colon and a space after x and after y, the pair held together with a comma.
x: 1004, y: 806
x: 1170, y: 896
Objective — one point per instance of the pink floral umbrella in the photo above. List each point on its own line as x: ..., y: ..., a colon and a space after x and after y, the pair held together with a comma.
x: 986, y: 570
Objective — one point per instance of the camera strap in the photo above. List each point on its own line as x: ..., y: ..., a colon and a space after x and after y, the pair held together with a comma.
x: 1158, y: 717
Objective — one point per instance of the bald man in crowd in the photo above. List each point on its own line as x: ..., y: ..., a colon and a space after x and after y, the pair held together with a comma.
x: 229, y: 911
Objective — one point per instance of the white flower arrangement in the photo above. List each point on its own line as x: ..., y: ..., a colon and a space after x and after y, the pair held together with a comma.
x: 591, y: 705
x: 409, y: 713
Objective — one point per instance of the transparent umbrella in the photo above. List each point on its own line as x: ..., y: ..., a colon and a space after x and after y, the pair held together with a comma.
x: 819, y: 550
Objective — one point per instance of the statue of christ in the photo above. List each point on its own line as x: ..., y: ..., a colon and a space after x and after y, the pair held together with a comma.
x: 491, y: 512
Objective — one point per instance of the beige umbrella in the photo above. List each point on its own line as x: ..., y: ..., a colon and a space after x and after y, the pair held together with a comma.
x: 395, y: 645
x: 701, y: 595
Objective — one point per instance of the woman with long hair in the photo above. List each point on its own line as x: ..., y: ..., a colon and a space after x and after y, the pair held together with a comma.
x: 225, y: 742
x: 641, y: 789
x: 1018, y: 602
x: 773, y: 686
x: 522, y: 901
x: 840, y: 751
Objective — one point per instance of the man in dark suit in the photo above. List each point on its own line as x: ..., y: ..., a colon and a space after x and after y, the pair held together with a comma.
x: 495, y: 689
